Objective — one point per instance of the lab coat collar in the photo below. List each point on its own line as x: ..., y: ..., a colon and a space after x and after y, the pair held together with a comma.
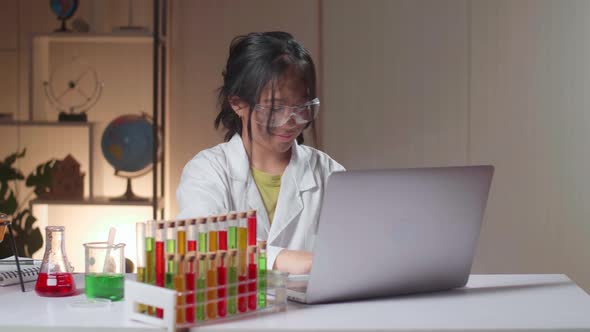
x: 299, y: 165
x: 298, y: 175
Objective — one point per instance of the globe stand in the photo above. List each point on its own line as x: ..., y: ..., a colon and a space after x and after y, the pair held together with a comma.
x: 63, y: 27
x: 72, y: 117
x: 129, y: 196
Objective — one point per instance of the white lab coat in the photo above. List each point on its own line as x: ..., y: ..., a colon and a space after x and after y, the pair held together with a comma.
x: 218, y: 180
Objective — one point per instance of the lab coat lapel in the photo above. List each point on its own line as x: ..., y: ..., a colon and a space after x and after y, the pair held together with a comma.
x: 297, y: 178
x: 239, y: 170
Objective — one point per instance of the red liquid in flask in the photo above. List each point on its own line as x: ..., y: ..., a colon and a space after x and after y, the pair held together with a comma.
x: 55, y: 276
x: 55, y: 284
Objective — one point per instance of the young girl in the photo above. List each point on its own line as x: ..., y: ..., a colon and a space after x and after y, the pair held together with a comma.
x: 267, y: 99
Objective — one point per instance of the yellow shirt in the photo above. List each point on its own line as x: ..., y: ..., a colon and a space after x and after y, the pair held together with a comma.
x: 268, y: 186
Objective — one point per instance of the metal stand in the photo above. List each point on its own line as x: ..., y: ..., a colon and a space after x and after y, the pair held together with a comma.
x: 6, y: 223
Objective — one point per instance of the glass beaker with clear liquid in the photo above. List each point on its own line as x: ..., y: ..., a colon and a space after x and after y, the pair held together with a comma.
x: 55, y: 277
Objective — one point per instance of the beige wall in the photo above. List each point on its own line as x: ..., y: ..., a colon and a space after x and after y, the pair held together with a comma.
x: 529, y: 116
x: 420, y: 83
x: 201, y: 33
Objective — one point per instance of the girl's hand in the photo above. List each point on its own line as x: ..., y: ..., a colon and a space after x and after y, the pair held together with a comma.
x: 294, y: 261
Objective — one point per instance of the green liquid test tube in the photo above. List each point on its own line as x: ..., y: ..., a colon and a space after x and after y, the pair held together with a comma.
x: 261, y: 274
x: 201, y: 285
x: 232, y: 279
x: 150, y: 253
x: 232, y: 230
x: 150, y: 258
x: 202, y: 241
x: 170, y: 271
x: 170, y: 248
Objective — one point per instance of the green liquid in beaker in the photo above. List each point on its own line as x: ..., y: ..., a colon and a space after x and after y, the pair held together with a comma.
x: 105, y: 285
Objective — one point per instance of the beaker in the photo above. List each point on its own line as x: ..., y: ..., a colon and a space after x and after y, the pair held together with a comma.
x: 104, y: 270
x: 55, y: 276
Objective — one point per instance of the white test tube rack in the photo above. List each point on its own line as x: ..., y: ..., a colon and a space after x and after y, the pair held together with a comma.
x: 141, y: 293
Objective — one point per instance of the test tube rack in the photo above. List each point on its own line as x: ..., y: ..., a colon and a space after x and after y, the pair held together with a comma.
x: 139, y: 295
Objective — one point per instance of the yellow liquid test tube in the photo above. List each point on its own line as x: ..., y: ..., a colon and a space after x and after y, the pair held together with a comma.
x: 180, y: 287
x: 181, y: 237
x: 211, y: 285
x: 212, y: 236
x: 242, y: 242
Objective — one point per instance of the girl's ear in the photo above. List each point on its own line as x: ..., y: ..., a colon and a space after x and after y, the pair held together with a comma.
x: 238, y: 105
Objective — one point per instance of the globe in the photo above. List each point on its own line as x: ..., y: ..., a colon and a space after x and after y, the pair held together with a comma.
x: 127, y: 145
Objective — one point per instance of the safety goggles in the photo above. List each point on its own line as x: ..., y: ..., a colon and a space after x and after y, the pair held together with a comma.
x: 281, y: 114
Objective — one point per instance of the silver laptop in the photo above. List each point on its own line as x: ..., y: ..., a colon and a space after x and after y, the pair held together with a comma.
x: 394, y: 232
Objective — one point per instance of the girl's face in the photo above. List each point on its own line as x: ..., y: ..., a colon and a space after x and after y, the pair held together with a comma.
x: 289, y: 90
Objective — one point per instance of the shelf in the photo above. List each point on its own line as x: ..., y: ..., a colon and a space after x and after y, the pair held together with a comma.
x: 45, y: 123
x: 94, y: 201
x: 121, y: 37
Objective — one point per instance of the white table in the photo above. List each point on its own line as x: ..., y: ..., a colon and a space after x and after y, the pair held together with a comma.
x: 489, y: 302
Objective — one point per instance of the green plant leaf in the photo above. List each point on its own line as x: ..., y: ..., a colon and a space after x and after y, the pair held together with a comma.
x: 13, y: 157
x: 40, y: 179
x: 28, y: 239
x: 9, y: 173
x: 8, y: 204
x: 29, y: 223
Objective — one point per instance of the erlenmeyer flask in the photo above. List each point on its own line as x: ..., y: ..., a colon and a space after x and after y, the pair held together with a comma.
x: 55, y: 276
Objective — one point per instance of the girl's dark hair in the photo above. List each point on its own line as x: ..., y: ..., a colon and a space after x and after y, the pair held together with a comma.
x: 255, y: 60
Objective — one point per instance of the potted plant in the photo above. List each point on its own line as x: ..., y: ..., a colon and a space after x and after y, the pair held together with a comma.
x: 27, y: 236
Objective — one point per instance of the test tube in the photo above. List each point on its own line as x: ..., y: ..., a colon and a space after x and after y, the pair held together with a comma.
x: 180, y: 287
x: 201, y: 285
x: 242, y: 242
x: 251, y: 214
x: 170, y: 252
x: 212, y: 237
x: 190, y: 283
x: 211, y: 285
x: 232, y: 279
x: 252, y: 277
x: 261, y: 274
x: 191, y: 246
x: 171, y: 270
x: 171, y: 273
x: 181, y: 236
x: 141, y: 272
x: 221, y: 283
x: 232, y: 230
x: 160, y: 261
x: 242, y: 263
x: 202, y: 241
x: 150, y: 255
x: 222, y: 231
x: 191, y: 235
